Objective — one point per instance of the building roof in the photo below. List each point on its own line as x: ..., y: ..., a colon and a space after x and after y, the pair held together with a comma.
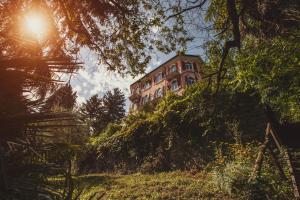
x: 164, y: 64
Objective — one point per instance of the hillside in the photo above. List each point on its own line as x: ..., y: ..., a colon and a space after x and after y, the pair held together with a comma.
x: 180, y: 133
x: 199, y: 145
x: 174, y: 185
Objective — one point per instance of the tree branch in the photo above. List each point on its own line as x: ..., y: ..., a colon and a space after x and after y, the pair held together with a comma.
x: 234, y: 18
x: 187, y: 9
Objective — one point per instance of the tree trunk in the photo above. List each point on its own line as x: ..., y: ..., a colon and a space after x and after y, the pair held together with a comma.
x: 281, y: 172
x: 3, y: 186
x: 260, y: 156
x: 69, y: 181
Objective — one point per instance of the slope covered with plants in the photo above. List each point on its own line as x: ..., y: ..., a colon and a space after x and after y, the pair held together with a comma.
x: 199, y: 145
x: 182, y: 132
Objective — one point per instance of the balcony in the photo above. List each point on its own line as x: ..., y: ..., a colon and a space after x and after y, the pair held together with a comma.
x: 135, y: 97
x: 172, y: 75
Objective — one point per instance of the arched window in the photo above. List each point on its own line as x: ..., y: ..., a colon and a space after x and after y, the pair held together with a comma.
x: 158, y: 77
x: 174, y: 85
x: 147, y: 85
x: 158, y: 93
x: 189, y: 80
x: 145, y: 99
x: 173, y: 68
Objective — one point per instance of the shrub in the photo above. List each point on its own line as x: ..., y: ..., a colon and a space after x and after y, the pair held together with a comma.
x: 180, y: 133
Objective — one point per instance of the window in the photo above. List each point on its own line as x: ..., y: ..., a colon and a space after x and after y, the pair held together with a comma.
x: 158, y: 77
x: 145, y: 99
x: 172, y: 69
x: 135, y: 91
x: 133, y: 106
x: 174, y: 85
x: 147, y: 85
x: 158, y: 93
x: 188, y: 66
x: 189, y: 80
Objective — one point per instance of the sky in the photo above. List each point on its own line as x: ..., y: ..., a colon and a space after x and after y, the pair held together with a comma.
x: 94, y: 78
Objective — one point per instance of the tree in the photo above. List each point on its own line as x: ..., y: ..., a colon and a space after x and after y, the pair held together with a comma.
x: 119, y: 31
x: 102, y: 111
x: 94, y: 112
x: 114, y: 103
x: 63, y: 97
x: 28, y: 73
x: 265, y: 31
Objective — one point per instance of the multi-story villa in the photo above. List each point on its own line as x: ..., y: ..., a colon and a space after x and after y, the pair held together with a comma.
x: 173, y: 75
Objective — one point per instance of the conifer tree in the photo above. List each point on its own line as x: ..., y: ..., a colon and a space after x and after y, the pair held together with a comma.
x: 94, y: 112
x: 102, y: 111
x: 64, y: 98
x: 114, y: 103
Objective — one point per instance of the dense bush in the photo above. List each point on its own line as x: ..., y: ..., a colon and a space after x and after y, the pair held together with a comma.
x: 181, y: 133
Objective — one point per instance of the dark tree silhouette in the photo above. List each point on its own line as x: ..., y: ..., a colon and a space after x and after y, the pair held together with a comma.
x: 114, y: 103
x: 64, y: 97
x: 94, y: 111
x: 102, y: 111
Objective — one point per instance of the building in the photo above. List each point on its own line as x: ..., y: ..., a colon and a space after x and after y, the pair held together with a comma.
x: 173, y: 75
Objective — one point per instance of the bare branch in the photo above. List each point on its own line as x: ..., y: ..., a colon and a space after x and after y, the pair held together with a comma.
x: 187, y: 9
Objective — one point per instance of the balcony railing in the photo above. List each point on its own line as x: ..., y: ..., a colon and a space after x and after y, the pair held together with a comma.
x: 135, y: 97
x: 171, y: 75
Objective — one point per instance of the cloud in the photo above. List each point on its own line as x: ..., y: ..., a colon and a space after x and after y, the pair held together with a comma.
x: 96, y: 79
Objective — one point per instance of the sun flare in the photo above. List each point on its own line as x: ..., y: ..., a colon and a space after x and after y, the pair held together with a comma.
x: 35, y: 24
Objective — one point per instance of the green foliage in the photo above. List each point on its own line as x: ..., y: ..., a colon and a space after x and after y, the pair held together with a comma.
x: 99, y: 112
x: 272, y: 70
x: 224, y: 178
x: 232, y: 168
x: 63, y: 97
x: 180, y: 133
x: 114, y: 103
x: 174, y: 185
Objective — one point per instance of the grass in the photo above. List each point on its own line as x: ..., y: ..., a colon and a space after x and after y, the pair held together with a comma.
x: 171, y: 185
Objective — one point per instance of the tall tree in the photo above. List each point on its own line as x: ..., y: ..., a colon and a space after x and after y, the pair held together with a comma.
x: 63, y: 97
x: 94, y: 112
x: 102, y: 111
x: 114, y: 103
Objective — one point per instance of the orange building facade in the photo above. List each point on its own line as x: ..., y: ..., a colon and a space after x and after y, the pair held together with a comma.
x: 173, y: 75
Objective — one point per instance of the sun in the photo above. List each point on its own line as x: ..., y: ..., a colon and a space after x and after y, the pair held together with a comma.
x: 35, y: 24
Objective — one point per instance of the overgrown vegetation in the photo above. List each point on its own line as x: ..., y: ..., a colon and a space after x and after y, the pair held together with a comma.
x: 214, y: 134
x: 224, y: 178
x: 181, y: 133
